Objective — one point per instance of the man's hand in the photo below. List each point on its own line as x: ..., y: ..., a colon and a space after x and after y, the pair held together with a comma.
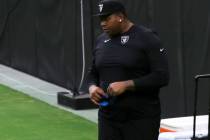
x: 118, y: 88
x: 96, y: 94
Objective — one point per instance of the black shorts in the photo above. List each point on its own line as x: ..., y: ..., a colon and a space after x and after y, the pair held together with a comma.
x: 142, y: 129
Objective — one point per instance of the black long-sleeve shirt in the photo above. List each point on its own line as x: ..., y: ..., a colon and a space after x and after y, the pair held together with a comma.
x: 134, y: 55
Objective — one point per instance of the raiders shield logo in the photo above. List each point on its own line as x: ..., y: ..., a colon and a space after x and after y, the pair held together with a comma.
x: 100, y: 7
x: 124, y: 39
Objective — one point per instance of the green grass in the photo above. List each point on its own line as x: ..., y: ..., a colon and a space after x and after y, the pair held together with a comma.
x: 25, y: 118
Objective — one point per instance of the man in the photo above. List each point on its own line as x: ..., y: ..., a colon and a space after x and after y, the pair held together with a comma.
x: 129, y: 67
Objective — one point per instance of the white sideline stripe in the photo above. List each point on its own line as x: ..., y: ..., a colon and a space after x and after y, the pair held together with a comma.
x: 25, y: 85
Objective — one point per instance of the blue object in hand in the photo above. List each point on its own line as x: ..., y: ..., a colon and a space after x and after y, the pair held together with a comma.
x: 104, y: 101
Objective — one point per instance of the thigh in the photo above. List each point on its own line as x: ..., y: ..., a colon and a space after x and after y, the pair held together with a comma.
x: 108, y: 130
x: 143, y: 129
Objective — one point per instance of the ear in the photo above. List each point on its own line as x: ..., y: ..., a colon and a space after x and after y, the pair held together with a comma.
x: 121, y: 17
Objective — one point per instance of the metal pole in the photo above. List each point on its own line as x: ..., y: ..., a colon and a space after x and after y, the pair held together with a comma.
x: 195, y: 107
x: 83, y: 45
x: 197, y: 77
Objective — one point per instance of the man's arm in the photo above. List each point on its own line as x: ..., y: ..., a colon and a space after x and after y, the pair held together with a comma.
x: 159, y: 75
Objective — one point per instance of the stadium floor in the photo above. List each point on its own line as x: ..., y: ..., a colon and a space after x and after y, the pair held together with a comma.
x: 39, y: 89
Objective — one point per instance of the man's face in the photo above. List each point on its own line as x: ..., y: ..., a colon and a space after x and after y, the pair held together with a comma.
x: 110, y: 24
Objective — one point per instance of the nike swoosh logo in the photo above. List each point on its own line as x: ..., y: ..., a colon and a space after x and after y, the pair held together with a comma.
x: 162, y: 49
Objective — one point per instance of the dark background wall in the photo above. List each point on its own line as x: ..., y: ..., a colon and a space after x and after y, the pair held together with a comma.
x: 43, y: 38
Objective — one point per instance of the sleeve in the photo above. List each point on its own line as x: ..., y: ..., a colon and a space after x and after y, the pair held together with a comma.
x: 158, y: 75
x: 92, y: 75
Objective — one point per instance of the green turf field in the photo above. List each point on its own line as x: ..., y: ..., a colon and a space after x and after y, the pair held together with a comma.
x: 25, y: 118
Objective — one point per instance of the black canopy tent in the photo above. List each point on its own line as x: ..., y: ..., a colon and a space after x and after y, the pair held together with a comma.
x: 53, y: 40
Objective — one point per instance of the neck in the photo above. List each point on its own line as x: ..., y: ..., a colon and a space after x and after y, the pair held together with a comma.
x: 126, y: 25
